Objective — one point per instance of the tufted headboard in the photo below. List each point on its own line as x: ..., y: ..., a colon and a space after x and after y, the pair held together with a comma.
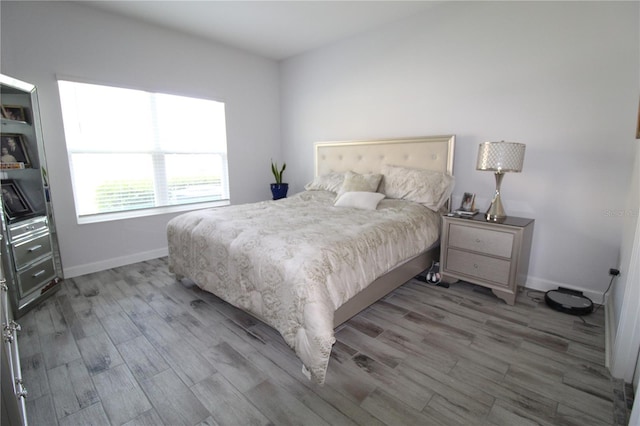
x: 368, y: 156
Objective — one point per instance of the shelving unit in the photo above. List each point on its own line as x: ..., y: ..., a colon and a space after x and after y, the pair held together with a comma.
x: 30, y: 250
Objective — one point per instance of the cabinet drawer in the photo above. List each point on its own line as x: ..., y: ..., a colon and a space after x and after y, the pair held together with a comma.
x: 27, y: 251
x: 496, y: 243
x: 478, y: 266
x: 37, y: 275
x: 25, y: 228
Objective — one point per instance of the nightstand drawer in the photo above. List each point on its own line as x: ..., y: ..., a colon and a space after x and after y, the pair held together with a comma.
x: 481, y: 240
x: 478, y: 266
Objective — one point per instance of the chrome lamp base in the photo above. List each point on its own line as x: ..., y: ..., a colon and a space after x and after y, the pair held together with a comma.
x: 496, y: 212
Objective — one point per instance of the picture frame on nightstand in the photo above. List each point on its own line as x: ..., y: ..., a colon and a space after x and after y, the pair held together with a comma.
x: 467, y: 205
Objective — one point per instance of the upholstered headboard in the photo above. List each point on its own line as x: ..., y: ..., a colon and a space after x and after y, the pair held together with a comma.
x: 368, y: 156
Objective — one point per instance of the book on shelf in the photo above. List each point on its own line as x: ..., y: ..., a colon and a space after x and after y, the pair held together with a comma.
x: 5, y: 166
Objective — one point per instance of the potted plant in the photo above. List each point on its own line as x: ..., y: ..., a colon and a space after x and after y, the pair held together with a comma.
x: 278, y: 189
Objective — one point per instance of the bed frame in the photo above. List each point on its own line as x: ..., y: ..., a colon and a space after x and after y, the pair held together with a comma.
x: 368, y: 156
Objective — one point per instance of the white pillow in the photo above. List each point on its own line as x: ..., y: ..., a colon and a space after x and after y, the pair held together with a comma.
x: 356, y: 182
x: 329, y: 182
x: 427, y: 187
x: 359, y: 200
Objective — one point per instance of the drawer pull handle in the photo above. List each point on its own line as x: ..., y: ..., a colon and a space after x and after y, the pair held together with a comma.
x: 21, y: 391
x: 7, y: 335
x: 478, y: 240
x: 9, y: 330
x: 475, y: 265
x: 37, y: 274
x: 35, y: 248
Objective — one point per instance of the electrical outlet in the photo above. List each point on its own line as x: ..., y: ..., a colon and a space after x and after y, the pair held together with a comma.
x: 614, y: 272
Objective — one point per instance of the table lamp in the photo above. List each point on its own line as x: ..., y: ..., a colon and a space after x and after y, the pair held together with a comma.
x: 499, y: 157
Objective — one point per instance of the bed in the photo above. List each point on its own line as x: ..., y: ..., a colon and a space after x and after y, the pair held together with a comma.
x: 307, y: 263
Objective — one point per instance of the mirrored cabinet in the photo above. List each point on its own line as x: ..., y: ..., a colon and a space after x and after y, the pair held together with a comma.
x: 30, y: 254
x: 14, y: 393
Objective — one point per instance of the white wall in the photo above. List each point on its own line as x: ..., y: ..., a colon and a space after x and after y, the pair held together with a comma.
x: 43, y: 39
x: 561, y: 77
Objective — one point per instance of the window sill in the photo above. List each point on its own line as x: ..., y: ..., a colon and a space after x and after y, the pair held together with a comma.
x: 108, y: 217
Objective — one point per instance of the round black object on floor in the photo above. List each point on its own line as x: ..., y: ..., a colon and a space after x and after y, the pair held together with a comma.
x: 568, y: 301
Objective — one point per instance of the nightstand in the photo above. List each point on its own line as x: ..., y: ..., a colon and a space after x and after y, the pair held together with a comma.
x: 493, y: 255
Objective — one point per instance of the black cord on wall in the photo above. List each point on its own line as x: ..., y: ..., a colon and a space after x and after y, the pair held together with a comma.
x: 605, y: 294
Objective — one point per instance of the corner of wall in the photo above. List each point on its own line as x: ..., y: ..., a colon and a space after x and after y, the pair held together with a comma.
x: 609, y: 332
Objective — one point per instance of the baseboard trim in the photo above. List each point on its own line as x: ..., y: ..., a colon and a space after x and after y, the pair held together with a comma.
x: 533, y: 283
x: 609, y: 332
x: 115, y: 262
x: 543, y: 285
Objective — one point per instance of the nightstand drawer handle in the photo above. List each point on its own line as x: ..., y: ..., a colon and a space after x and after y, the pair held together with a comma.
x: 34, y: 248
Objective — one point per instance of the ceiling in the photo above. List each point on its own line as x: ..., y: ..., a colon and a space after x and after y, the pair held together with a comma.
x: 274, y: 29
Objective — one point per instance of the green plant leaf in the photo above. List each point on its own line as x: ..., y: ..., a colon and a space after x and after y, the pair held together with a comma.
x: 277, y: 174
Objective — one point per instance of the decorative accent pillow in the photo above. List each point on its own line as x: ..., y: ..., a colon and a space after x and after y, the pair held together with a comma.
x: 359, y: 200
x: 329, y: 182
x: 355, y: 182
x: 427, y: 187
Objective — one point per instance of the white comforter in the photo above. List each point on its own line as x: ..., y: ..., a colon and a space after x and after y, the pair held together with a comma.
x: 294, y: 261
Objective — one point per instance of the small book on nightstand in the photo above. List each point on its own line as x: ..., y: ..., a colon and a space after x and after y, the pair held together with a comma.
x: 466, y: 212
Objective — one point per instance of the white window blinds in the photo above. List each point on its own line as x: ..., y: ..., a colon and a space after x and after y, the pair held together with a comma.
x: 130, y: 150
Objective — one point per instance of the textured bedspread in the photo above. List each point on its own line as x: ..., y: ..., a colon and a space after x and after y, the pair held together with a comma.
x: 292, y: 262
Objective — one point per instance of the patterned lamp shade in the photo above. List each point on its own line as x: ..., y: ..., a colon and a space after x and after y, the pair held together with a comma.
x: 501, y: 156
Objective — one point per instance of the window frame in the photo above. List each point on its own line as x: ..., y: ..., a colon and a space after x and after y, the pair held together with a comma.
x: 159, y: 173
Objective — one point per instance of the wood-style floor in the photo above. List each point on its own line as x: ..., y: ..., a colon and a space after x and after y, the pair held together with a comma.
x: 132, y: 346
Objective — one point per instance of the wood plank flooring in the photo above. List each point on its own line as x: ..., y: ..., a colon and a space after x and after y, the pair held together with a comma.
x: 132, y: 346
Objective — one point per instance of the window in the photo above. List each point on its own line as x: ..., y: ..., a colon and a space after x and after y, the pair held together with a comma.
x: 136, y: 153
